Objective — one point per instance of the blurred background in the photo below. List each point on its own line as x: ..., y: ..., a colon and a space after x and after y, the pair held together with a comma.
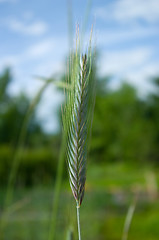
x: 123, y: 166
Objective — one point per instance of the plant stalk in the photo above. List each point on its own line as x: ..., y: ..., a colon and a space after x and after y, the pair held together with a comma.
x: 128, y: 220
x: 57, y: 191
x: 78, y: 222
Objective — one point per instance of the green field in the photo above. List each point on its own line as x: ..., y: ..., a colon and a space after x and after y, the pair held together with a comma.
x: 109, y: 192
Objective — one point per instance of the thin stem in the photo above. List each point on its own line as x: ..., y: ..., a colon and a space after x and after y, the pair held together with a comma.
x: 78, y: 222
x: 128, y: 220
x: 18, y: 155
x: 57, y: 192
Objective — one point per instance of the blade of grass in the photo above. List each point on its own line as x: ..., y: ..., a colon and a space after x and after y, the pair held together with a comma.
x: 128, y: 220
x: 18, y: 154
x: 62, y: 151
x: 57, y: 191
x: 77, y: 117
x: 69, y: 234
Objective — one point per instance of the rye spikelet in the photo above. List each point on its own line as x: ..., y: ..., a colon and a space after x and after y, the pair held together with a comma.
x: 77, y: 121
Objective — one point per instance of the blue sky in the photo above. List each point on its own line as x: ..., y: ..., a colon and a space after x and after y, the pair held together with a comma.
x: 34, y: 41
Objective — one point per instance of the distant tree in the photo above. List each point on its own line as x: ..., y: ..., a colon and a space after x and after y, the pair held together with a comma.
x: 12, y: 113
x: 152, y: 116
x: 120, y: 129
x: 5, y: 79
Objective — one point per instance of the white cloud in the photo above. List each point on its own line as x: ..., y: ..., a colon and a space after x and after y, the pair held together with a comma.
x: 108, y: 37
x: 34, y: 28
x: 10, y: 60
x: 132, y: 10
x: 134, y: 65
x: 42, y: 59
x: 47, y: 111
x: 31, y: 54
x: 122, y: 61
x: 141, y: 78
x: 40, y: 49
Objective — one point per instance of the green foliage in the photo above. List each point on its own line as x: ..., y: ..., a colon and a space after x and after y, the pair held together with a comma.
x: 38, y: 166
x: 5, y: 163
x: 121, y: 129
x: 152, y: 116
x: 5, y: 79
x: 103, y: 210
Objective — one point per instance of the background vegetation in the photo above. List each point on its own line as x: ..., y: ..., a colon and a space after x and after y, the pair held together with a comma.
x: 123, y: 165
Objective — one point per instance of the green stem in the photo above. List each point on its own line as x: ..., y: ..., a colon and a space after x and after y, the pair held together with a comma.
x: 18, y: 154
x: 78, y: 222
x: 57, y: 191
x: 128, y: 220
